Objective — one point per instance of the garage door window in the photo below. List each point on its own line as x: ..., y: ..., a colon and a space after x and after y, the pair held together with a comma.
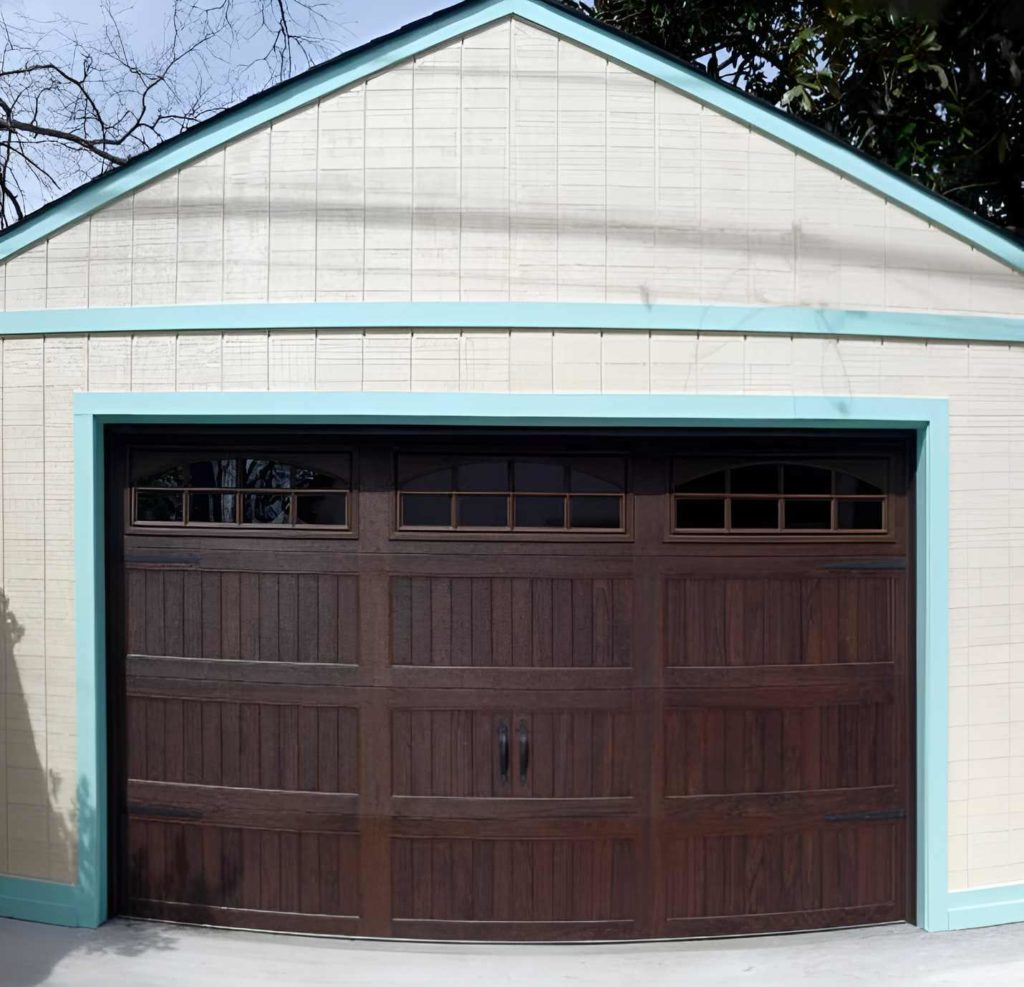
x: 584, y: 494
x: 798, y: 498
x: 242, y: 491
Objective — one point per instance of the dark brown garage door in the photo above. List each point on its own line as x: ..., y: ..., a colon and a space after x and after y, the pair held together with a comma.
x: 567, y: 686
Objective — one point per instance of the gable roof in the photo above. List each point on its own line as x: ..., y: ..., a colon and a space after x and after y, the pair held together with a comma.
x: 448, y: 24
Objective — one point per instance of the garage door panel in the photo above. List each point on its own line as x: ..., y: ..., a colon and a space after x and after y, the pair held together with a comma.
x: 283, y: 747
x: 248, y: 616
x: 778, y: 748
x: 760, y: 875
x: 536, y: 881
x: 548, y: 753
x: 502, y: 621
x: 814, y: 619
x: 211, y: 867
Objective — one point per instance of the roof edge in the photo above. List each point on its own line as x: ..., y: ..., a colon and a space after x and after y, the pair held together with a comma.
x: 446, y: 25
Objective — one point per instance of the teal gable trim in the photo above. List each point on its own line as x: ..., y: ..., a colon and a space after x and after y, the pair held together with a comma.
x: 470, y: 16
x: 86, y: 904
x: 514, y: 315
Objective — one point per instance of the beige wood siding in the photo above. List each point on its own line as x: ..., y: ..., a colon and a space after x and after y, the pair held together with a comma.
x: 509, y: 165
x: 983, y: 383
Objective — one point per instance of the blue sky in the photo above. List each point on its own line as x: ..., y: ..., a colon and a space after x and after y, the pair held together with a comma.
x: 363, y: 20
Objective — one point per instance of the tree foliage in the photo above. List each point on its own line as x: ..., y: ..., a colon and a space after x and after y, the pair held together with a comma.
x: 75, y: 102
x: 930, y: 87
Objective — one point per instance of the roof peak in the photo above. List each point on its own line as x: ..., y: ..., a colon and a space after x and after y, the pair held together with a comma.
x: 466, y: 17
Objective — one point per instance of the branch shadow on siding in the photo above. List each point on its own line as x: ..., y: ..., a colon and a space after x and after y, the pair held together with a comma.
x: 29, y: 952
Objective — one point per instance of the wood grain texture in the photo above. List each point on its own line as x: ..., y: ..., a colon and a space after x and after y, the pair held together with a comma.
x: 480, y: 735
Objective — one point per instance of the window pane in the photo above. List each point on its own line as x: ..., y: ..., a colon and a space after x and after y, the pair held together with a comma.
x: 762, y: 479
x: 847, y: 483
x: 489, y: 477
x: 808, y: 514
x: 595, y: 512
x: 433, y: 480
x: 700, y: 513
x: 426, y: 511
x: 482, y: 512
x: 709, y: 483
x: 207, y: 508
x: 540, y: 477
x: 597, y: 475
x: 861, y: 515
x: 305, y: 477
x: 213, y: 473
x: 267, y: 473
x: 153, y: 506
x: 797, y: 479
x: 327, y: 508
x: 755, y: 513
x: 540, y: 512
x: 266, y: 508
x: 176, y: 476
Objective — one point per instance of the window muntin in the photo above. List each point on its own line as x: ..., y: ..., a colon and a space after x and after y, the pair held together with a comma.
x: 522, y: 493
x: 242, y: 491
x: 783, y: 497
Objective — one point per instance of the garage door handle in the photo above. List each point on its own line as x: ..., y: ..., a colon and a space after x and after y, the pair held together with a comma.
x: 524, y: 751
x: 503, y: 751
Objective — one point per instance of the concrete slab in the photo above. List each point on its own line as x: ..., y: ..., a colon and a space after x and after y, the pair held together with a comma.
x: 126, y: 954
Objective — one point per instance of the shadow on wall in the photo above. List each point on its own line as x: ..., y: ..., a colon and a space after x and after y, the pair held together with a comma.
x: 29, y: 952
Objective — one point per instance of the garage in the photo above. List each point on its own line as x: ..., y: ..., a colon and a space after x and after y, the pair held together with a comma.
x: 487, y: 685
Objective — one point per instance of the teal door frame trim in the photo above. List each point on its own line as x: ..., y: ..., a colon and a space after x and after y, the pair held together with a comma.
x: 86, y: 903
x: 460, y: 19
x: 779, y: 320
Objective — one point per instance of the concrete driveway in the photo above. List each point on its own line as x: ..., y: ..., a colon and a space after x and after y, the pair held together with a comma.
x: 126, y: 954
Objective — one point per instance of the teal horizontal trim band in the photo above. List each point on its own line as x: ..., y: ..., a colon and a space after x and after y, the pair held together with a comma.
x: 466, y: 17
x: 986, y: 906
x: 514, y: 315
x: 39, y: 901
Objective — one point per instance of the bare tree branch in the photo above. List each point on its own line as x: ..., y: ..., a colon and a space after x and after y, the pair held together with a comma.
x: 74, y: 104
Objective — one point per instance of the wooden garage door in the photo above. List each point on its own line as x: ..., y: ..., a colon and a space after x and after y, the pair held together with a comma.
x: 491, y: 686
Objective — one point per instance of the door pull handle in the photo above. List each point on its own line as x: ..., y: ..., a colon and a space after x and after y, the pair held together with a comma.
x: 524, y: 752
x: 503, y: 751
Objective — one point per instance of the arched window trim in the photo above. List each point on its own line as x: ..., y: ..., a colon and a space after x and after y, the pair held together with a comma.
x: 858, y: 508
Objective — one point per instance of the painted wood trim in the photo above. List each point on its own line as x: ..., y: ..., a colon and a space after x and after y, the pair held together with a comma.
x: 514, y: 315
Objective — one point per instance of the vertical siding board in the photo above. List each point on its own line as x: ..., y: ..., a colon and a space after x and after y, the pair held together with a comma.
x: 437, y: 177
x: 387, y: 272
x: 26, y: 279
x: 484, y: 244
x: 293, y: 204
x: 201, y: 231
x: 631, y: 164
x: 341, y: 196
x: 247, y: 218
x: 582, y: 174
x: 110, y: 255
x: 245, y: 360
x: 155, y: 243
x: 533, y: 165
x: 67, y: 268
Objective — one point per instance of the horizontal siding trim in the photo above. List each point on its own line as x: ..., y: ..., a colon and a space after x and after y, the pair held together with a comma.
x: 516, y: 315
